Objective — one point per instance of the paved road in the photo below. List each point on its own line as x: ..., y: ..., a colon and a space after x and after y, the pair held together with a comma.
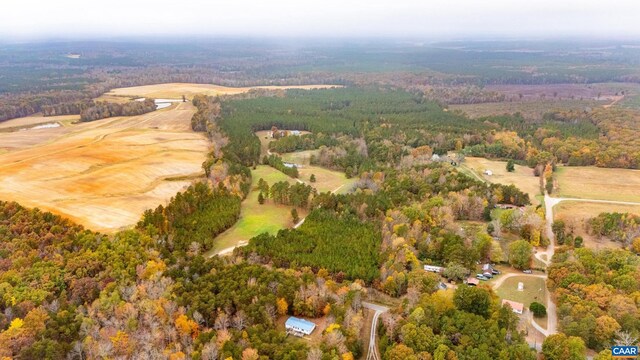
x: 372, y: 352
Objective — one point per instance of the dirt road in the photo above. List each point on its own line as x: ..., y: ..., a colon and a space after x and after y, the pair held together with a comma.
x: 372, y: 351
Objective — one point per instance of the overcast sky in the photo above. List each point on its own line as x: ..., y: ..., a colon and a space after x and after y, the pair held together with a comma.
x: 33, y: 19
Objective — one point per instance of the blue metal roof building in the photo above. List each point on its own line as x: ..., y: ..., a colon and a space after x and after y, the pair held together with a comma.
x: 299, y: 326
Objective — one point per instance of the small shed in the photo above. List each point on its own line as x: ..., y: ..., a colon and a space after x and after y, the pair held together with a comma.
x: 299, y: 327
x: 516, y: 307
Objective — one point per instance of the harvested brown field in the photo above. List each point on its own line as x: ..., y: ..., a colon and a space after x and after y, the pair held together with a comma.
x: 29, y: 121
x: 176, y: 90
x: 105, y: 173
x: 575, y: 215
x: 589, y: 182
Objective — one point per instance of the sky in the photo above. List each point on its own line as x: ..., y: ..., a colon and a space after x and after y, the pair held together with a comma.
x: 84, y: 19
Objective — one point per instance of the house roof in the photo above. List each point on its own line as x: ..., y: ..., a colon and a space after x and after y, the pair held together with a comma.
x: 302, y: 324
x: 514, y: 305
x: 473, y: 281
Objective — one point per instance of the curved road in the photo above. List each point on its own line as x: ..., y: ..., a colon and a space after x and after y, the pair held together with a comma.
x: 549, y: 203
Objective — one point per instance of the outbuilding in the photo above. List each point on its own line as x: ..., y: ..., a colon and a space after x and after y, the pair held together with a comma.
x: 473, y: 281
x: 299, y: 327
x: 433, y: 268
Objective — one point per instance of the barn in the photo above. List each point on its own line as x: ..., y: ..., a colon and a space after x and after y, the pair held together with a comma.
x: 299, y: 327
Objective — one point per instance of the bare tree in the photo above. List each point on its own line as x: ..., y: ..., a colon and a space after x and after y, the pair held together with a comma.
x: 222, y: 321
x: 314, y: 354
x: 625, y: 338
x: 210, y: 351
x: 239, y: 320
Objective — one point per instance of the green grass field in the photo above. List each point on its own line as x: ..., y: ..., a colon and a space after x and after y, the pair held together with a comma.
x: 256, y: 219
x: 534, y: 290
x: 326, y: 180
x: 299, y: 157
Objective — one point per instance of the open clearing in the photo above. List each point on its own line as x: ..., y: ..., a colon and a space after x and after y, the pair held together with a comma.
x: 598, y: 183
x: 533, y: 109
x: 30, y: 121
x: 176, y: 90
x: 522, y: 177
x: 575, y: 214
x: 256, y: 219
x: 103, y: 174
x: 534, y: 289
x: 300, y: 157
x: 265, y: 139
x: 326, y: 180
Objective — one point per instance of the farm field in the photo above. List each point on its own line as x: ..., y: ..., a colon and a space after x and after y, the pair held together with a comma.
x: 522, y: 177
x: 176, y: 90
x: 575, y: 214
x: 256, y: 219
x: 598, y: 183
x: 30, y: 121
x: 103, y: 174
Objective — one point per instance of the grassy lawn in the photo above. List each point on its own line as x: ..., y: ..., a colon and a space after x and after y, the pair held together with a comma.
x: 522, y: 177
x: 588, y: 182
x: 299, y: 157
x: 326, y: 180
x: 534, y: 290
x: 576, y: 214
x: 256, y: 219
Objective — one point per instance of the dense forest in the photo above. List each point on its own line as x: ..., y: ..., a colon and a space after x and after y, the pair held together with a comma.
x: 101, y: 110
x: 597, y: 294
x: 465, y: 324
x: 321, y: 242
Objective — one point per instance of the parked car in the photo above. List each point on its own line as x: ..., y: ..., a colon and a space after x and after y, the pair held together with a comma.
x: 495, y: 272
x: 442, y: 286
x: 528, y: 271
x: 482, y: 277
x: 487, y: 275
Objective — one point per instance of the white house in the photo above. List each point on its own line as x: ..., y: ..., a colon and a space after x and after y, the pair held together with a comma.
x: 435, y: 269
x: 299, y: 327
x: 516, y: 307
